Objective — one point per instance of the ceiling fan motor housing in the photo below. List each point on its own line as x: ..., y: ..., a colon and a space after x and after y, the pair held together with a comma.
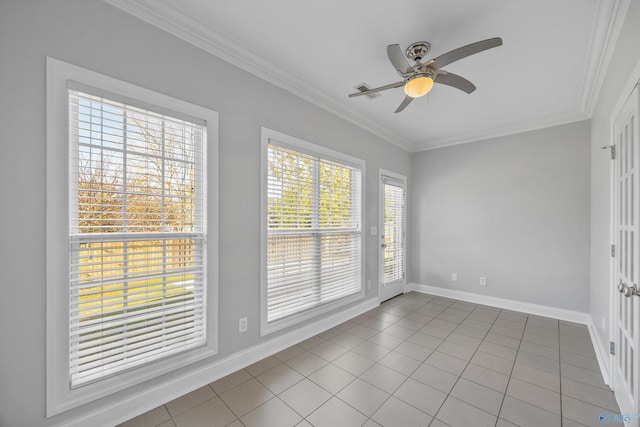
x: 418, y: 50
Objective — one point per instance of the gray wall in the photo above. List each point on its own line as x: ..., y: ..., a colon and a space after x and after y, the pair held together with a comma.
x: 625, y: 57
x: 93, y: 35
x: 514, y: 209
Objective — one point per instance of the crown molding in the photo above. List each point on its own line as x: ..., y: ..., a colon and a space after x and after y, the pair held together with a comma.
x: 511, y: 129
x: 173, y: 21
x: 606, y: 30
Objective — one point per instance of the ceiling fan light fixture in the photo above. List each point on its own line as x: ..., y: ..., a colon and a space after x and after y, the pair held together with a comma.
x: 418, y: 85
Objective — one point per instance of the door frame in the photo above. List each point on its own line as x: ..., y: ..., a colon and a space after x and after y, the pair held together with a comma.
x: 381, y: 228
x: 631, y: 88
x: 630, y: 84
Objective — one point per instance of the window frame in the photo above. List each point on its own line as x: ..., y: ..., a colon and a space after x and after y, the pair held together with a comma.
x: 305, y: 147
x: 60, y: 396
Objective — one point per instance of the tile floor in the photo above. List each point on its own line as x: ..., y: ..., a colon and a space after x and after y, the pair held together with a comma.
x: 416, y: 360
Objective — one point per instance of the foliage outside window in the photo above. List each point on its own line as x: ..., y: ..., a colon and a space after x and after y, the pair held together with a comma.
x: 313, y: 230
x: 137, y: 237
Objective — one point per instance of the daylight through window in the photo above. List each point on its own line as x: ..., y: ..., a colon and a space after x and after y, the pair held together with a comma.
x: 137, y: 236
x: 313, y: 231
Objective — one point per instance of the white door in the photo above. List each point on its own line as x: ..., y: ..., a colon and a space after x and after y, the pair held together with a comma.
x: 626, y: 296
x: 393, y: 228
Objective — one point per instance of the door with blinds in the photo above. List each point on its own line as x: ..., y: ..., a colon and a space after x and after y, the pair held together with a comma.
x: 393, y: 219
x: 626, y: 296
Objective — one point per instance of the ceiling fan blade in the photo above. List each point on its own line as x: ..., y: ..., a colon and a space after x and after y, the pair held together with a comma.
x: 397, y: 58
x: 377, y: 89
x: 407, y: 100
x: 464, y: 51
x: 456, y: 81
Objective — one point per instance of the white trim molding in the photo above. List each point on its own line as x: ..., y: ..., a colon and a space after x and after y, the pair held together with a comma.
x: 606, y: 30
x: 509, y: 304
x: 151, y: 397
x: 172, y: 20
x: 60, y: 397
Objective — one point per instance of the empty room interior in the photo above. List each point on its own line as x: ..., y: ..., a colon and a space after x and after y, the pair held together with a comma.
x: 336, y: 213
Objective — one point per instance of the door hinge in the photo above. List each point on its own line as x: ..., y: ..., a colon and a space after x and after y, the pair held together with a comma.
x: 613, y: 251
x: 613, y: 152
x: 612, y: 348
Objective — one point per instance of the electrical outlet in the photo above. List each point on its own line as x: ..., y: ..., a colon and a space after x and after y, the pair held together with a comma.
x: 242, y: 325
x: 483, y: 281
x: 368, y: 284
x: 454, y: 277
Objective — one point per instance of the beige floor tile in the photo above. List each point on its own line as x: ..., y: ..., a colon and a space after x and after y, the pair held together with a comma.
x: 190, y: 400
x: 246, y: 397
x: 479, y: 396
x: 396, y: 413
x: 305, y: 397
x: 353, y: 363
x: 328, y: 351
x: 332, y: 378
x: 336, y: 413
x: 526, y: 415
x: 447, y: 362
x: 306, y: 363
x: 435, y: 377
x: 288, y: 353
x: 420, y: 396
x: 273, y: 413
x: 149, y: 419
x: 212, y: 413
x: 384, y: 378
x: 230, y: 381
x: 263, y: 366
x: 534, y: 395
x: 399, y: 362
x: 371, y: 350
x: 486, y: 377
x: 457, y: 413
x: 279, y: 378
x: 363, y: 396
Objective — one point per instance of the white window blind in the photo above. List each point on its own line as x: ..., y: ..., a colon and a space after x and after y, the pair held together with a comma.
x: 313, y: 231
x: 137, y: 236
x: 394, y: 231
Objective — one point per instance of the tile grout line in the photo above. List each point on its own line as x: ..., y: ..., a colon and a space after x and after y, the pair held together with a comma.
x: 467, y: 362
x: 409, y: 376
x: 560, y: 371
x: 504, y: 396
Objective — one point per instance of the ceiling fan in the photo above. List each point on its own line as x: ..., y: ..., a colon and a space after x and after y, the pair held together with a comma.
x: 418, y: 79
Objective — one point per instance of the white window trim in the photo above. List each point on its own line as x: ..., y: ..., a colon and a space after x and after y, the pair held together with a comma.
x: 288, y: 141
x: 59, y: 395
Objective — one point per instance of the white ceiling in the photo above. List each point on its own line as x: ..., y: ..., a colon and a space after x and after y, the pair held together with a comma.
x: 548, y: 71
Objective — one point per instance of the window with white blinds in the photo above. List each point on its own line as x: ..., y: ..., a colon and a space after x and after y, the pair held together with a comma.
x: 313, y: 230
x: 394, y: 230
x: 137, y: 236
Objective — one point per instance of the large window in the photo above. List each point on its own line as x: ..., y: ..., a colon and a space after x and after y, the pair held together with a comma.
x: 137, y: 236
x: 128, y: 241
x: 312, y: 225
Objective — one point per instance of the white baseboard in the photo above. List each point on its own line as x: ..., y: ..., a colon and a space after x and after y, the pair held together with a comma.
x: 526, y: 307
x: 123, y: 410
x: 604, y: 360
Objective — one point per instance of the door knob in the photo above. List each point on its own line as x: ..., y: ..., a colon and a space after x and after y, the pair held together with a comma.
x: 631, y: 290
x: 621, y: 287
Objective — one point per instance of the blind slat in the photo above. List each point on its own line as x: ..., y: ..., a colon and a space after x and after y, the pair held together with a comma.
x: 313, y: 231
x: 137, y: 288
